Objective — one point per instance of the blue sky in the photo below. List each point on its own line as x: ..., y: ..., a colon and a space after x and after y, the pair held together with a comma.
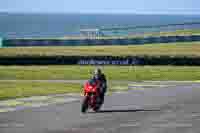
x: 102, y: 6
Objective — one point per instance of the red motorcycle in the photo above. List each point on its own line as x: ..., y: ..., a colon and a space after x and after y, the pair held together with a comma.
x: 91, y: 98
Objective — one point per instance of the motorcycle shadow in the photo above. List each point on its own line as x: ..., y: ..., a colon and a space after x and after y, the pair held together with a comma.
x: 126, y: 110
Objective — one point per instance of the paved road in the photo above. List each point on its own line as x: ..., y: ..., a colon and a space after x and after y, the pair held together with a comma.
x: 163, y: 108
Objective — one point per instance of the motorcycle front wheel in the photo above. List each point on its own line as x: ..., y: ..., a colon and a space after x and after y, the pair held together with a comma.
x: 98, y: 106
x: 84, y: 105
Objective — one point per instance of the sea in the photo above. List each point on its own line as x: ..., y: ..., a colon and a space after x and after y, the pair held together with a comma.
x: 24, y: 25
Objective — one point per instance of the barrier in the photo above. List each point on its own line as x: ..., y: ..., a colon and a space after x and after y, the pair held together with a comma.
x: 79, y: 42
x: 100, y: 60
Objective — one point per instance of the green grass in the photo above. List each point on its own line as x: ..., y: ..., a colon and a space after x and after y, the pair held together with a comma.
x: 16, y: 89
x: 26, y: 89
x: 75, y: 72
x: 173, y: 49
x: 20, y: 89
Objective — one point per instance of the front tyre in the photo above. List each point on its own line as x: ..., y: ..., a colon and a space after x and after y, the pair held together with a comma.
x: 84, y: 105
x: 97, y: 108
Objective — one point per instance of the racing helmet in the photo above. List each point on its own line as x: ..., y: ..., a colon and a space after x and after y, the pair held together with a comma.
x: 97, y: 73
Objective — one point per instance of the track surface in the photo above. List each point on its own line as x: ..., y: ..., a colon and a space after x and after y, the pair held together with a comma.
x: 162, y: 108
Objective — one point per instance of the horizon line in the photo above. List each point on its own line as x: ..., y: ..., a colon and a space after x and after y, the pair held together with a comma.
x: 106, y: 13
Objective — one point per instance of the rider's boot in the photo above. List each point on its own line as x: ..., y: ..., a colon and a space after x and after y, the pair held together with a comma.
x: 102, y: 98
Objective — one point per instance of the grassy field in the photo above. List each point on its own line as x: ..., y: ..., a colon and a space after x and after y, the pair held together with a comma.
x: 25, y: 89
x: 138, y: 73
x: 21, y: 88
x: 173, y: 49
x: 10, y: 89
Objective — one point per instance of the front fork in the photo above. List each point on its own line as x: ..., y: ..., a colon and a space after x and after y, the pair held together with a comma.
x: 93, y: 100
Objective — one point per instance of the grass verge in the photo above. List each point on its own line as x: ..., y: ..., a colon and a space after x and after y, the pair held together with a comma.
x: 15, y: 89
x: 75, y: 72
x: 10, y: 89
x: 26, y: 89
x: 168, y: 49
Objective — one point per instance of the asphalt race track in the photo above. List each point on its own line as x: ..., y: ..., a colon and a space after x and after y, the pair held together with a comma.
x: 162, y: 107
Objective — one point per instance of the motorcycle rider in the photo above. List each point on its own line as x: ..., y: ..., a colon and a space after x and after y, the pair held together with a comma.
x: 98, y: 75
